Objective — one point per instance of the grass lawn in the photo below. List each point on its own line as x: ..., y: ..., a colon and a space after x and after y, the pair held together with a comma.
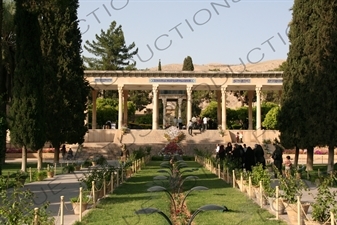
x: 10, y: 168
x: 120, y: 207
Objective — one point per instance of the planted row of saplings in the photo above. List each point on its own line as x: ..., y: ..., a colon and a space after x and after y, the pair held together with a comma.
x: 100, y: 180
x: 173, y: 173
x: 284, y: 195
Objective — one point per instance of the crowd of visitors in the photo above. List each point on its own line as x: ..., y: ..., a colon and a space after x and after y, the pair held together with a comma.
x: 246, y: 157
x: 242, y: 156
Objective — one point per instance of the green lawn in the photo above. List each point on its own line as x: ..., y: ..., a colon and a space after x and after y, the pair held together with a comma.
x: 10, y: 168
x: 120, y: 207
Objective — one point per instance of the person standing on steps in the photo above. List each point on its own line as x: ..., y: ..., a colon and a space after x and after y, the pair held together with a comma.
x: 205, y: 121
x: 241, y: 137
x: 180, y: 123
x: 190, y: 127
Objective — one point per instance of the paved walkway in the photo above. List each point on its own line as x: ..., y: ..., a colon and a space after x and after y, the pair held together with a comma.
x: 51, y: 190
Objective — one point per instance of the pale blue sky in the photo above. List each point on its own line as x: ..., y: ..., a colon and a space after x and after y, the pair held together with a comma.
x: 207, y: 31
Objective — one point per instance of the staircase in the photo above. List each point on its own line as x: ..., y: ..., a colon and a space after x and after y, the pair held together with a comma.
x: 109, y: 150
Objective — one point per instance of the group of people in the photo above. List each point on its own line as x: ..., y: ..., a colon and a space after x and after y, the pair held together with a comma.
x: 241, y: 155
x: 197, y: 123
x: 67, y: 155
x: 245, y: 157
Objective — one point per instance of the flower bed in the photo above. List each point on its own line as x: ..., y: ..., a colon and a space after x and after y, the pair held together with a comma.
x: 174, y: 136
x: 19, y: 150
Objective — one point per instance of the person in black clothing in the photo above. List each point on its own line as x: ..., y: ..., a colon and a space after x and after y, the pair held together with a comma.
x: 278, y: 159
x: 222, y: 155
x: 259, y: 155
x: 63, y: 151
x: 249, y: 159
x: 228, y: 150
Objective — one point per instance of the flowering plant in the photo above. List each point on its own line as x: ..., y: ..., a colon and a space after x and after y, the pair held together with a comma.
x: 173, y: 134
x: 172, y: 148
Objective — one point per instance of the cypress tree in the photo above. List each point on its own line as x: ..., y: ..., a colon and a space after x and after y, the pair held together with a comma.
x: 291, y: 122
x: 310, y: 77
x: 27, y: 117
x: 66, y: 89
x: 188, y: 64
x: 322, y: 52
x: 159, y: 65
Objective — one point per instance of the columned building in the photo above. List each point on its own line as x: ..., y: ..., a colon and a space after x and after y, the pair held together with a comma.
x: 179, y: 86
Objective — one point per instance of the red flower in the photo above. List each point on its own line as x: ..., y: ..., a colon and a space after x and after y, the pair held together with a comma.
x: 172, y: 148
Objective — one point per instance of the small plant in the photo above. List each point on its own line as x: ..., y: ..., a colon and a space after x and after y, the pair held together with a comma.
x: 19, y: 175
x: 86, y: 163
x: 40, y: 175
x: 100, y: 160
x: 85, y: 199
x: 97, y: 175
x: 70, y: 168
x: 50, y: 168
x: 221, y: 131
x: 17, y: 204
x: 291, y: 188
x: 259, y: 174
x: 324, y: 201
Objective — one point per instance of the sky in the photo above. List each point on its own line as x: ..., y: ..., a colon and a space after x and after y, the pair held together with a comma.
x: 214, y: 31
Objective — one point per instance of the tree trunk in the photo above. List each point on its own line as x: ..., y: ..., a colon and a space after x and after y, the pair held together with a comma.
x: 24, y: 159
x: 310, y: 158
x: 39, y: 159
x: 297, y: 152
x: 56, y: 153
x: 331, y: 159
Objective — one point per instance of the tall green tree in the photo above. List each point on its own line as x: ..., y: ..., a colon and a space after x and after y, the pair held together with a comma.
x: 66, y: 90
x: 110, y: 50
x: 321, y: 49
x: 7, y: 48
x: 159, y: 65
x: 188, y: 64
x: 291, y: 107
x: 306, y: 108
x: 27, y: 115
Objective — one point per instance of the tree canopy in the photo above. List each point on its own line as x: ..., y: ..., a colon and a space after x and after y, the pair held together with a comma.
x: 27, y: 111
x: 110, y: 50
x: 188, y: 64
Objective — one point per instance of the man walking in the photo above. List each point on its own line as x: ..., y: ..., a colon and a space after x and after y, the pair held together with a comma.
x: 205, y: 121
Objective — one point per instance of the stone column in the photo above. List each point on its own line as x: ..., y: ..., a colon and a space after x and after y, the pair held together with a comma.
x: 258, y: 108
x: 125, y: 104
x: 180, y: 101
x: 164, y: 100
x: 154, y: 107
x: 120, y: 107
x: 94, y: 109
x: 250, y: 110
x: 218, y: 111
x: 189, y: 104
x: 223, y: 107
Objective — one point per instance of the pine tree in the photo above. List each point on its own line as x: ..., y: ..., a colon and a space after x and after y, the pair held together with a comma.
x: 111, y: 50
x: 188, y: 64
x: 27, y: 117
